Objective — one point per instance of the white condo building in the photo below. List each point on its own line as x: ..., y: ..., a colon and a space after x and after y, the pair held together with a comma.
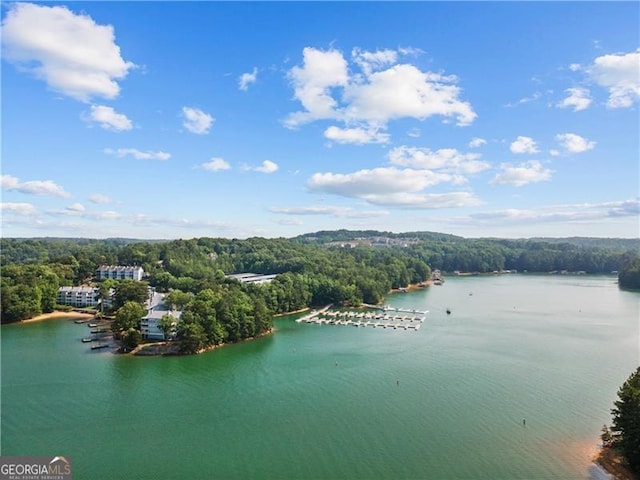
x: 78, y: 296
x: 156, y: 309
x: 83, y: 297
x: 120, y: 272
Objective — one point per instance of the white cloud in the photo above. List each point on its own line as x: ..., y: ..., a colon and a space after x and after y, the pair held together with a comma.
x: 571, y: 213
x: 578, y: 98
x: 99, y: 198
x: 33, y: 187
x: 357, y: 136
x: 524, y: 145
x: 334, y: 211
x: 216, y: 164
x: 574, y: 143
x: 196, y: 121
x: 425, y: 200
x: 477, y: 142
x: 405, y: 91
x: 367, y: 101
x: 267, y: 167
x: 523, y: 174
x: 71, y: 53
x: 372, y: 61
x: 535, y: 96
x: 109, y: 119
x: 22, y: 209
x: 321, y: 71
x: 620, y: 75
x: 138, y: 154
x: 378, y: 180
x: 76, y: 207
x: 78, y: 211
x: 392, y: 187
x: 247, y: 79
x: 414, y: 133
x: 445, y: 159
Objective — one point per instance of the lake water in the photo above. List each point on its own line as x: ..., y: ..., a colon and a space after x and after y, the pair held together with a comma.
x: 340, y: 402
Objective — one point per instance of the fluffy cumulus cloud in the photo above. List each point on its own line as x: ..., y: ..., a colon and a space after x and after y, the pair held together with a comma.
x: 333, y: 211
x: 391, y: 187
x: 375, y: 90
x: 372, y: 61
x: 109, y: 119
x: 196, y: 121
x: 267, y: 167
x: 446, y: 159
x: 21, y: 209
x: 33, y: 187
x: 356, y: 136
x: 71, y: 53
x: 578, y: 98
x: 477, y: 142
x: 216, y: 164
x: 321, y: 71
x: 524, y: 145
x: 522, y: 174
x: 138, y: 154
x: 573, y: 143
x: 620, y: 75
x: 247, y: 79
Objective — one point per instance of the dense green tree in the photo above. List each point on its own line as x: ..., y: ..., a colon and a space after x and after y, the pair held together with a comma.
x: 128, y: 316
x: 130, y: 339
x: 167, y: 324
x: 629, y: 275
x: 626, y: 421
x: 177, y: 299
x: 191, y: 337
x: 130, y: 291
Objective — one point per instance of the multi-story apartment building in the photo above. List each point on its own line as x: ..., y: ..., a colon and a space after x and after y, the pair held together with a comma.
x: 78, y: 296
x: 120, y: 272
x: 156, y: 309
x: 84, y: 297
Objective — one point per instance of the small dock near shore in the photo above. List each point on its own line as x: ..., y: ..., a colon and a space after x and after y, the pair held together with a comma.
x: 382, y: 317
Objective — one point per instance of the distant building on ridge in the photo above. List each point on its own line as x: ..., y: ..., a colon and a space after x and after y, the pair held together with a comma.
x: 119, y: 272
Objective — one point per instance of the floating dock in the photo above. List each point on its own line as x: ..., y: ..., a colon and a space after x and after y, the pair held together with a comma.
x: 392, y: 318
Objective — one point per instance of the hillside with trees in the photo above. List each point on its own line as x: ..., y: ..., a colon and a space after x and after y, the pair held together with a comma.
x: 313, y: 269
x: 629, y: 275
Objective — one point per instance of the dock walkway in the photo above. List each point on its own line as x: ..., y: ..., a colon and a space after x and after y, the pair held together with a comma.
x: 386, y: 317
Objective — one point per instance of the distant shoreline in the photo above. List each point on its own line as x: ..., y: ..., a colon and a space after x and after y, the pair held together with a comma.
x: 58, y: 314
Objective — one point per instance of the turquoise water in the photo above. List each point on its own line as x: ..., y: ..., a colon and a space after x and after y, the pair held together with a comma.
x: 325, y: 401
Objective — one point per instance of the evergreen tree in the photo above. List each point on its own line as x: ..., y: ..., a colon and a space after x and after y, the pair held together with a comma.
x: 626, y: 421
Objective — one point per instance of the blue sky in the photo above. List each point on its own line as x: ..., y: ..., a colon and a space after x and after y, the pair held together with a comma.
x: 233, y: 119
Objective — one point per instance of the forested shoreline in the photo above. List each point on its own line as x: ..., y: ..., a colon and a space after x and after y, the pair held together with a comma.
x: 313, y: 269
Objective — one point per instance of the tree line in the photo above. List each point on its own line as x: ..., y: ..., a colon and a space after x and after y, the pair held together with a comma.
x: 309, y: 272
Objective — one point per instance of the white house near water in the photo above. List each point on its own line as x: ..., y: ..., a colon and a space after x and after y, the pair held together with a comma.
x: 156, y: 309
